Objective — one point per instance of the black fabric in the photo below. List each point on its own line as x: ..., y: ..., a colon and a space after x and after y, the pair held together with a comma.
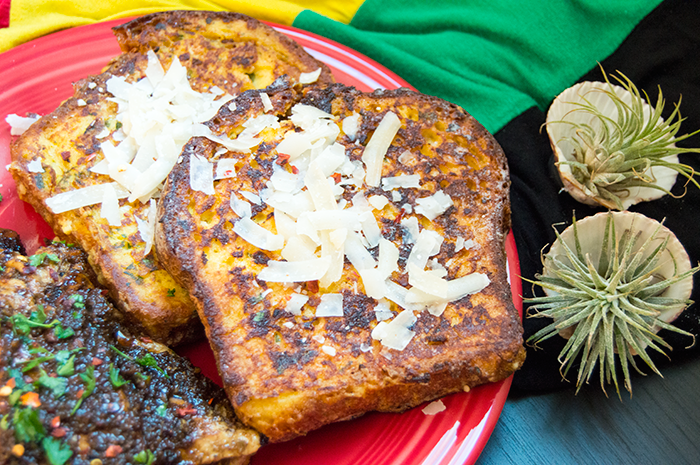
x: 661, y: 51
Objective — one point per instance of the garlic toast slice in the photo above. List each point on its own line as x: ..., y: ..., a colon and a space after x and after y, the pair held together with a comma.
x: 101, y: 135
x: 355, y: 261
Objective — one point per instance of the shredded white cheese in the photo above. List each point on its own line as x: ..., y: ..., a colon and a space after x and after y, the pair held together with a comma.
x: 433, y: 206
x: 311, y: 77
x: 434, y: 407
x: 396, y: 334
x: 34, y: 166
x: 375, y: 151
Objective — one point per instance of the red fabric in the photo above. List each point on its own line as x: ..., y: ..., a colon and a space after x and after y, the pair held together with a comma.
x: 4, y: 13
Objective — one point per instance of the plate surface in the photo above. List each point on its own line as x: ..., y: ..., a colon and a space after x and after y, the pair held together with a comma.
x: 38, y: 76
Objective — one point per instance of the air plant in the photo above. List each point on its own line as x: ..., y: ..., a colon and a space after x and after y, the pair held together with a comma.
x: 611, y: 282
x: 612, y: 147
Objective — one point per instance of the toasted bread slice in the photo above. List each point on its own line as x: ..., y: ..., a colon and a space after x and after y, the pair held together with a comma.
x: 225, y: 51
x: 286, y: 368
x: 99, y: 391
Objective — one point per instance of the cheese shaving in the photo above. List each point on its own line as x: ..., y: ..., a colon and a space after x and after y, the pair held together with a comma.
x: 295, y: 303
x: 225, y: 168
x: 434, y: 408
x: 401, y: 181
x: 34, y: 166
x: 201, y: 175
x: 147, y: 228
x: 376, y: 149
x: 309, y: 78
x: 110, y: 206
x: 434, y: 206
x: 267, y: 103
x: 331, y: 305
x: 19, y: 124
x: 256, y: 235
x: 83, y: 197
x: 295, y: 272
x: 396, y: 334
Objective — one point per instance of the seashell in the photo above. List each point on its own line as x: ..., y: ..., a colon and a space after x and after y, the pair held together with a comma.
x: 590, y: 231
x: 566, y: 114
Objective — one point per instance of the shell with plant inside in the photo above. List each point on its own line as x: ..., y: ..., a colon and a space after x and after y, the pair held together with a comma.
x: 611, y: 282
x: 612, y: 147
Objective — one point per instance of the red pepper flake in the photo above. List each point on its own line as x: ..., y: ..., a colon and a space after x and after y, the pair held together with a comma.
x: 113, y: 450
x: 96, y: 361
x: 295, y: 170
x: 186, y: 411
x: 336, y: 177
x: 282, y: 158
x: 210, y: 401
x: 31, y: 399
x: 59, y: 432
x: 79, y: 394
x: 398, y: 219
x: 146, y: 340
x: 312, y: 286
x: 55, y: 422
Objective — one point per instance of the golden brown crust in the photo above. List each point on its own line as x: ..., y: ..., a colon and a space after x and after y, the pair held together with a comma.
x: 228, y: 50
x: 277, y: 375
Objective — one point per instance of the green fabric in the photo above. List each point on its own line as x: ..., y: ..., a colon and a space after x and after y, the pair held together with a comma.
x: 495, y: 58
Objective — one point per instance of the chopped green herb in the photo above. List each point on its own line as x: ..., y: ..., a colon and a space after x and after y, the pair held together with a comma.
x: 38, y: 259
x: 56, y: 451
x: 5, y: 422
x: 33, y: 363
x: 145, y: 456
x: 28, y: 427
x: 66, y: 368
x: 143, y: 377
x: 259, y: 316
x: 57, y: 385
x: 89, y: 378
x: 161, y: 410
x: 63, y: 333
x: 171, y: 292
x: 149, y: 361
x: 115, y: 377
x: 23, y: 325
x: 39, y: 315
x: 78, y: 300
x: 119, y: 352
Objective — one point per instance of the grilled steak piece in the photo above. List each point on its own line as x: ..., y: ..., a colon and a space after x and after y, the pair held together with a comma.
x: 76, y: 386
x: 221, y: 52
x: 322, y: 233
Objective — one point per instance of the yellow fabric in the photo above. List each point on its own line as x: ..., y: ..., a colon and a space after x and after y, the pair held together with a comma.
x: 33, y: 18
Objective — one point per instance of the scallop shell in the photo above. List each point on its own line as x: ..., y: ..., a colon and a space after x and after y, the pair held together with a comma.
x: 591, y: 230
x: 565, y: 108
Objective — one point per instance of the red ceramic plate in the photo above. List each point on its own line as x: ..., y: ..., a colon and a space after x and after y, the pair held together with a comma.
x: 38, y: 75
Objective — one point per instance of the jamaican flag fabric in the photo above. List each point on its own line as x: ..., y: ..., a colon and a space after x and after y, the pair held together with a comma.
x: 504, y: 61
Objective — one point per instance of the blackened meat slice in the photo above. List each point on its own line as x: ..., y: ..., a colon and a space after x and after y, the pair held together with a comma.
x: 76, y: 386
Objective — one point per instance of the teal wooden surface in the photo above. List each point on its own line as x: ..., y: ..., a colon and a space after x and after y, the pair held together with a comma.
x: 660, y: 424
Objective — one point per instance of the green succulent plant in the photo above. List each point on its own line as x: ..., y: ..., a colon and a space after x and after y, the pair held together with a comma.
x: 610, y: 309
x: 617, y: 155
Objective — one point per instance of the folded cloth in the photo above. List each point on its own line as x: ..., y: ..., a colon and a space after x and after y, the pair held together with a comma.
x: 28, y: 19
x: 503, y: 61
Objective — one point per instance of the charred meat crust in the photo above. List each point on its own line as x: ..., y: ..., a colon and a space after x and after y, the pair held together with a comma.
x: 268, y: 366
x: 98, y: 387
